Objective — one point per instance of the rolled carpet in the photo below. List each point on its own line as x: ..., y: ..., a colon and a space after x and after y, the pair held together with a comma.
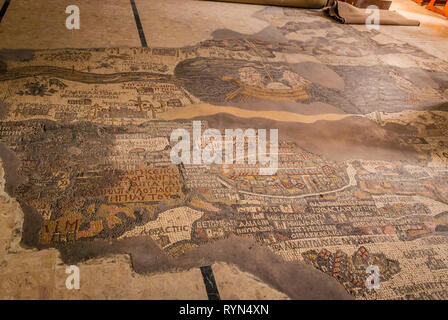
x: 309, y: 4
x: 346, y: 13
x: 338, y: 10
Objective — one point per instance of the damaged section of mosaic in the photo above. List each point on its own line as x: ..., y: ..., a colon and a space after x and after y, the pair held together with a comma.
x: 85, y: 142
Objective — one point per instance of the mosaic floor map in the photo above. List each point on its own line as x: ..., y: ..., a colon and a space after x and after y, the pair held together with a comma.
x: 362, y: 173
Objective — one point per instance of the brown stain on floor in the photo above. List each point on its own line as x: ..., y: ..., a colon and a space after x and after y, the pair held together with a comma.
x: 344, y: 138
x: 204, y: 109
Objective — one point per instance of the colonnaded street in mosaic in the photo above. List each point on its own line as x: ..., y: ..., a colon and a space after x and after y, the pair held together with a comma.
x: 363, y: 150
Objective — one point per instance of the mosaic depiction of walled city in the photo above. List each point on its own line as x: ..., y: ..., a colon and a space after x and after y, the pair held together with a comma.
x: 85, y: 145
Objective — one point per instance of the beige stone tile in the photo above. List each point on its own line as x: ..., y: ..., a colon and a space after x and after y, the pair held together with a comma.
x: 4, y: 245
x: 234, y: 284
x: 30, y: 261
x: 430, y: 36
x: 176, y: 23
x: 7, y: 213
x: 27, y: 285
x: 41, y: 24
x: 181, y: 285
x: 115, y: 280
